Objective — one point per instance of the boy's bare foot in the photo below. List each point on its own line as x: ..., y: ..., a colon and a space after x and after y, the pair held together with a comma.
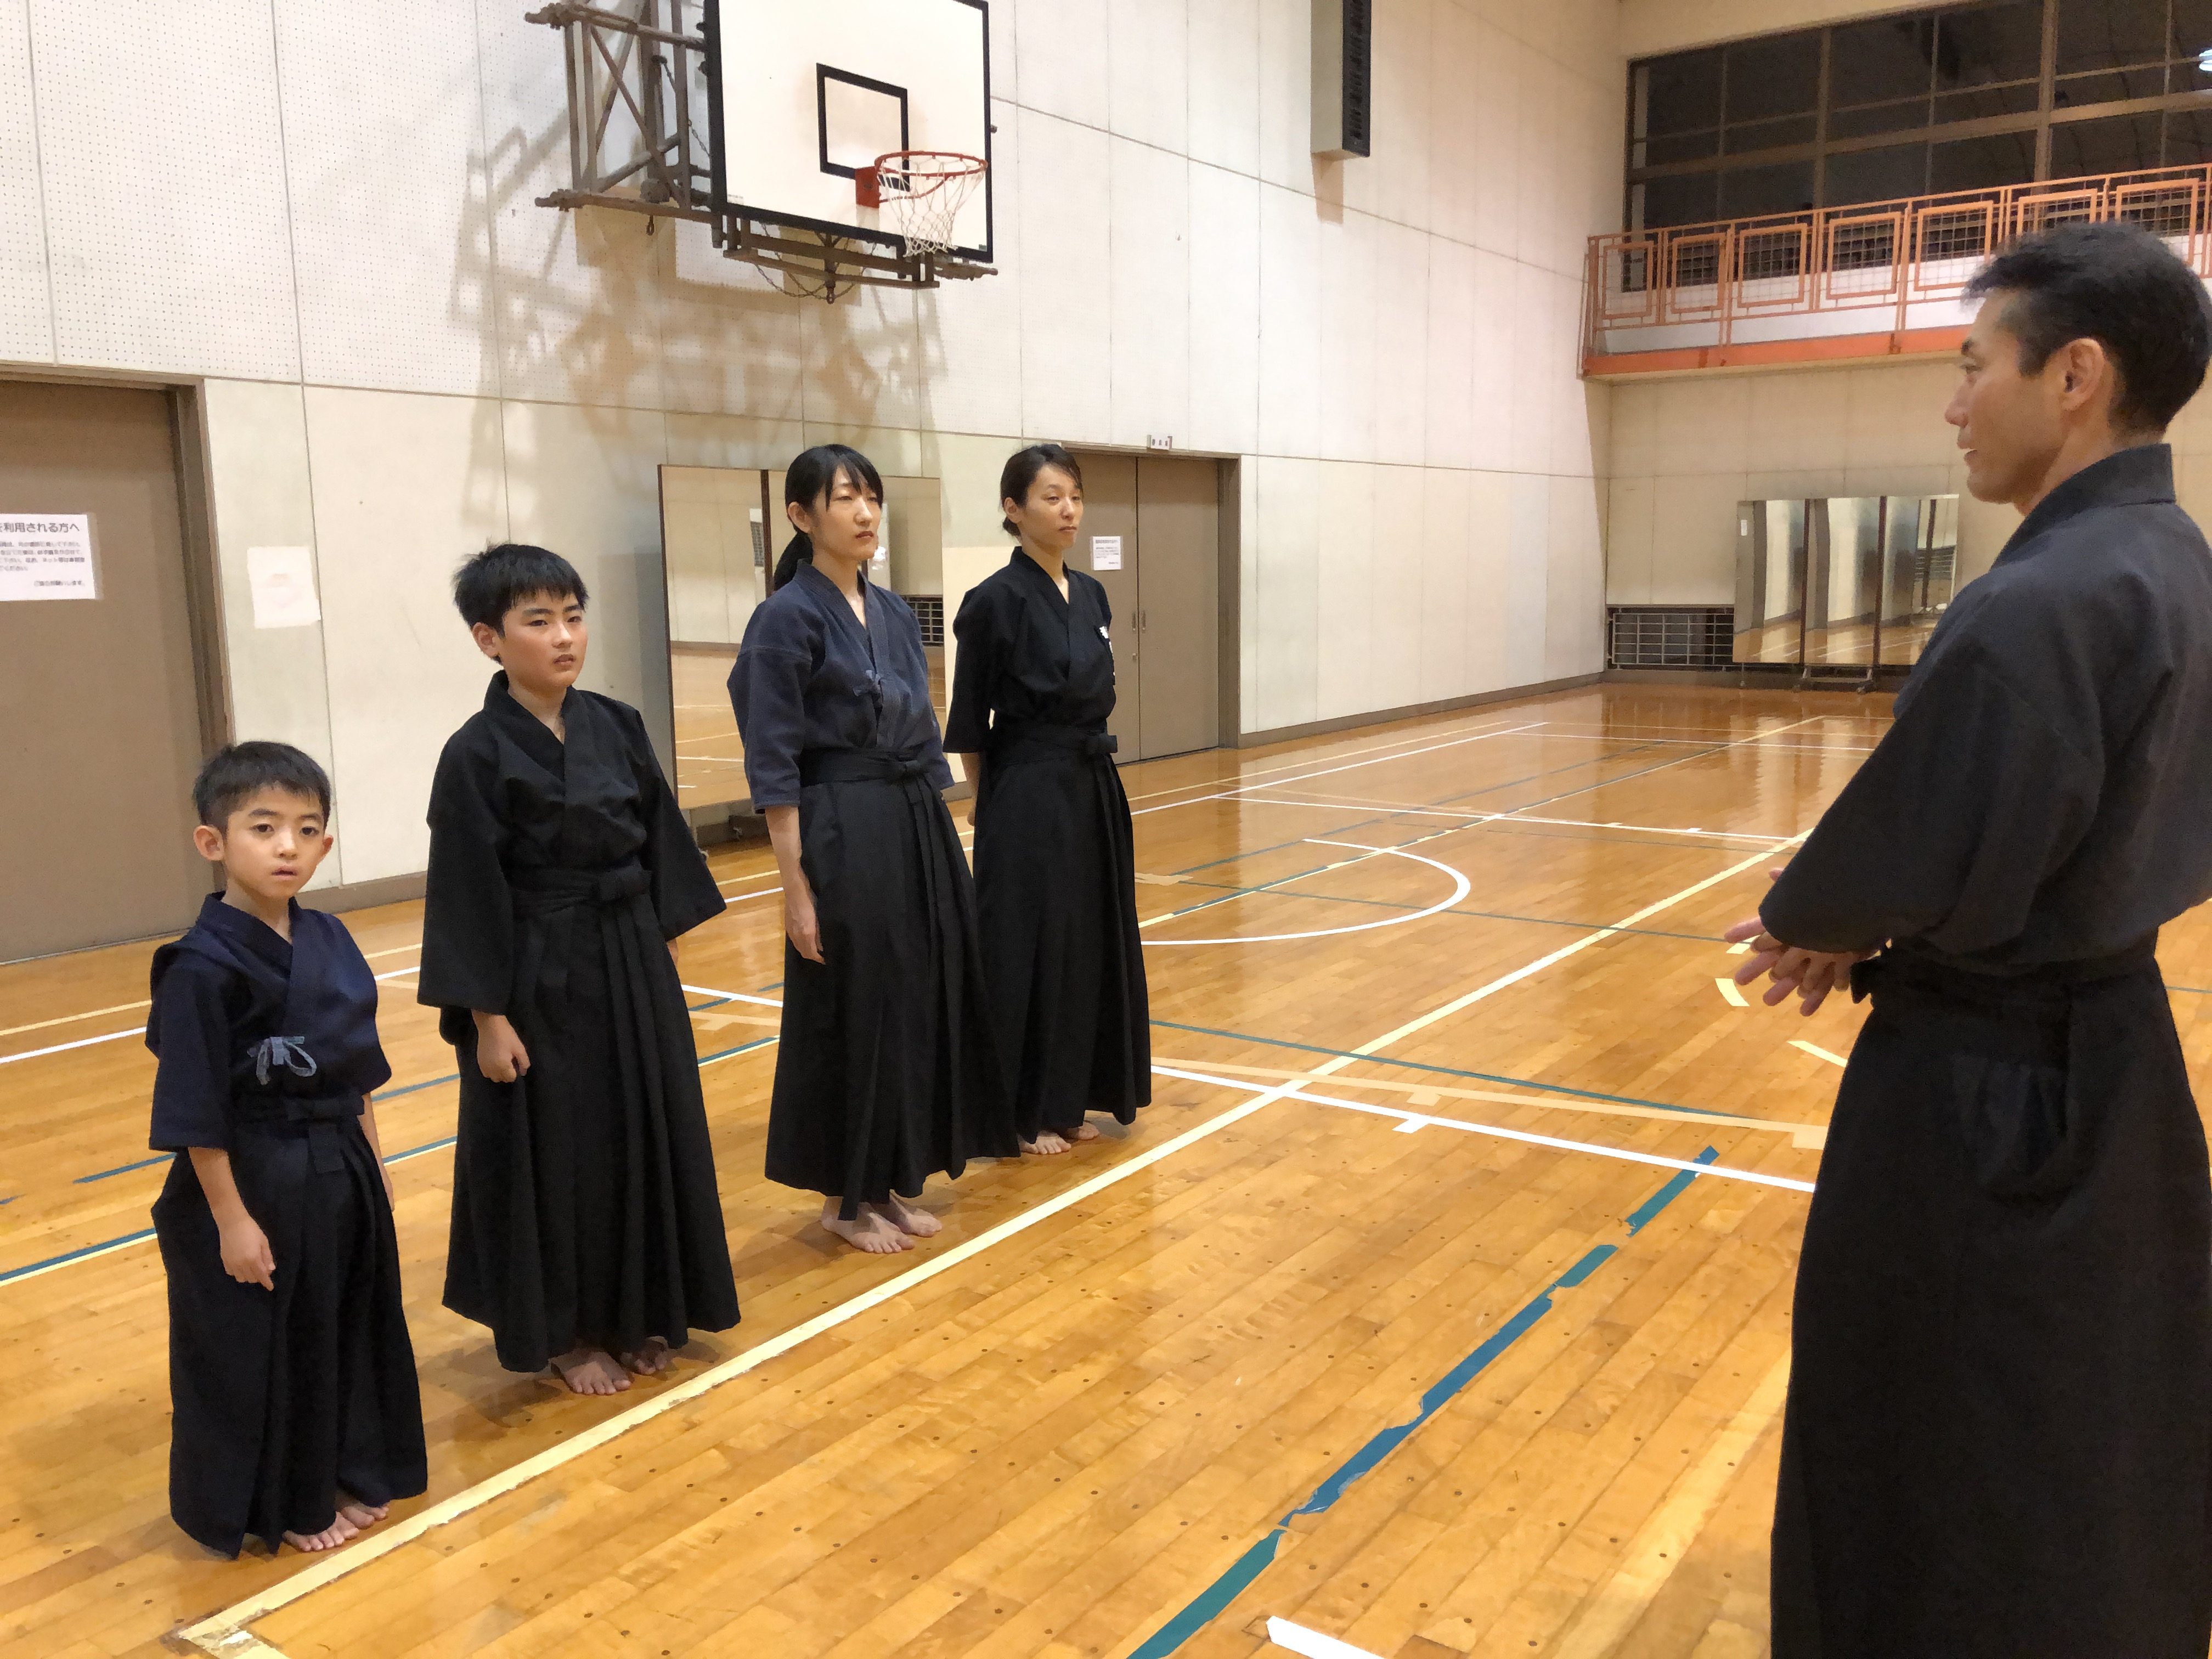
x: 363, y: 1516
x: 340, y: 1531
x: 919, y: 1224
x: 655, y: 1357
x: 871, y: 1232
x: 590, y: 1371
x: 1047, y: 1145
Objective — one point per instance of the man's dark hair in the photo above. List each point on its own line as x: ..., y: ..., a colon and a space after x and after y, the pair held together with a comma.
x: 495, y: 580
x: 236, y: 776
x: 2117, y: 284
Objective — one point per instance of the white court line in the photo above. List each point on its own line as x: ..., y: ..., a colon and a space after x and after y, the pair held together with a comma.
x: 1292, y: 766
x: 1817, y: 1052
x: 1496, y: 817
x: 139, y: 1030
x: 731, y: 996
x: 1311, y: 1643
x: 1239, y: 788
x: 1561, y: 954
x: 1459, y: 890
x: 224, y: 1633
x: 1729, y: 992
x: 1409, y: 1122
x: 64, y: 1019
x: 738, y: 881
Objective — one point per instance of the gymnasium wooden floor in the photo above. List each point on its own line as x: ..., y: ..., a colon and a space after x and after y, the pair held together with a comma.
x: 1307, y: 1344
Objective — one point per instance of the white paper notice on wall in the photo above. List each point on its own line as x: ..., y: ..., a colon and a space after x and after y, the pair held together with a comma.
x: 47, y: 556
x: 1105, y: 552
x: 283, y: 583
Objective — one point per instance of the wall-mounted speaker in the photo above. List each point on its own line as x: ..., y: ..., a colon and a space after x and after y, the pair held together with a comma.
x: 1343, y: 76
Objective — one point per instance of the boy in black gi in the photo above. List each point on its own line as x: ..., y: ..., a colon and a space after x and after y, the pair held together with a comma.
x: 297, y: 1417
x: 587, y: 1230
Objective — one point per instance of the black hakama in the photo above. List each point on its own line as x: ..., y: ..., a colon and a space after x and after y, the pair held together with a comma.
x: 1997, y: 1440
x: 282, y: 1397
x: 1056, y: 866
x: 888, y: 1071
x: 584, y: 1208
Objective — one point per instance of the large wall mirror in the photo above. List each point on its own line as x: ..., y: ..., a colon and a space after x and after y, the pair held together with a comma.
x: 1845, y: 582
x: 722, y: 530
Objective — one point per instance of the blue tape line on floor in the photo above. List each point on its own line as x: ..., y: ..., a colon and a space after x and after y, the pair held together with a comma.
x: 1209, y: 1603
x: 123, y: 1168
x: 74, y: 1255
x: 1442, y: 1071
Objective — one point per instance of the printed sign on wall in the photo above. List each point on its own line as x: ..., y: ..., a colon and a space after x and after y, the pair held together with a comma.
x: 283, y: 583
x: 1105, y: 552
x: 47, y: 556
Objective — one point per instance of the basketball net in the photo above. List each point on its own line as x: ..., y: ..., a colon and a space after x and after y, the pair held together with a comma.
x: 925, y: 191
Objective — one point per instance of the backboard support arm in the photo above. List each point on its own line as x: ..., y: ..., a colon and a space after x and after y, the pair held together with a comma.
x: 638, y: 143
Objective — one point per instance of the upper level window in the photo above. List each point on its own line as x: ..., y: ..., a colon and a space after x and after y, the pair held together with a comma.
x: 1956, y: 97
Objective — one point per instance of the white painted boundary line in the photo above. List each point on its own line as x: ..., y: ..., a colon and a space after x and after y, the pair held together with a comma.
x: 1460, y: 888
x: 1478, y: 728
x: 140, y: 1031
x: 1496, y: 817
x: 1311, y: 1643
x: 730, y: 996
x: 224, y: 1632
x: 1322, y: 772
x: 1541, y: 962
x: 1409, y: 1122
x: 1817, y: 1052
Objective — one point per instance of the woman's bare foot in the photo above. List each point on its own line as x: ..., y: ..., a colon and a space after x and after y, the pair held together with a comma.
x: 1047, y: 1145
x: 590, y: 1371
x: 1084, y: 1132
x: 654, y: 1357
x: 340, y: 1531
x: 919, y: 1223
x: 871, y: 1231
x: 363, y: 1516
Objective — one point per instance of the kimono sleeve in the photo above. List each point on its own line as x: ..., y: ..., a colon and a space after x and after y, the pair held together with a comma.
x: 1966, y: 807
x: 468, y: 917
x: 978, y: 628
x: 767, y: 693
x: 188, y: 1029
x: 683, y: 890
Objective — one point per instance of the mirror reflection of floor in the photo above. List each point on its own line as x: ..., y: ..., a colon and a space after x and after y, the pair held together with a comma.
x: 710, y: 761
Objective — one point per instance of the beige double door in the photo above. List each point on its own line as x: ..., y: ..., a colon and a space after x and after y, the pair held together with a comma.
x: 1159, y: 520
x: 100, y: 720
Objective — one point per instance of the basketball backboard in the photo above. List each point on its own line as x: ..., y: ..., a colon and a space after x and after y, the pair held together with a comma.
x: 802, y: 96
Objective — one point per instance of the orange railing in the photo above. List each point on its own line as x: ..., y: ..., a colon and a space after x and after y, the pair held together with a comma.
x: 1879, y: 259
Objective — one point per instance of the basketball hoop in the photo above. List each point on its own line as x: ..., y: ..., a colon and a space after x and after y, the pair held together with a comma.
x: 924, y: 188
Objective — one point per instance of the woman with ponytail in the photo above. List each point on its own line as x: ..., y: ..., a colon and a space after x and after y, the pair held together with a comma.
x: 1032, y: 686
x: 887, y: 1072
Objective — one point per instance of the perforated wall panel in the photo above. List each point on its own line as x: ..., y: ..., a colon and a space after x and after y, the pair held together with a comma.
x: 384, y: 137
x: 26, y: 305
x: 161, y: 140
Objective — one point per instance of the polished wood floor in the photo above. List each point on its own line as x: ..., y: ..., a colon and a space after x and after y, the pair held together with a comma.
x: 1323, y: 1356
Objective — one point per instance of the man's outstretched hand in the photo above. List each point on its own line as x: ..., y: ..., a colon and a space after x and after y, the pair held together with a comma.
x: 1808, y: 975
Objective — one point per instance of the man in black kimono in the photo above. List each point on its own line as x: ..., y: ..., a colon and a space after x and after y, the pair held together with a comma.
x: 588, y: 1229
x: 1998, y: 1439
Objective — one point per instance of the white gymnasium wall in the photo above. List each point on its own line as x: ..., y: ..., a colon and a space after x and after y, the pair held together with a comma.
x: 332, y: 230
x: 1685, y: 452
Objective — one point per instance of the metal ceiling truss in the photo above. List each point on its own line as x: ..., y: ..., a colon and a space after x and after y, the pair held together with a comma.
x: 637, y: 142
